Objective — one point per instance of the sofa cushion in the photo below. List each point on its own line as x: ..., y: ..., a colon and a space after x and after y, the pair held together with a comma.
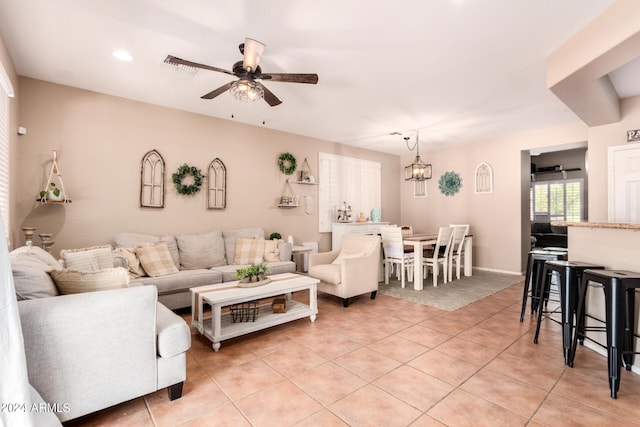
x: 156, y: 259
x: 74, y: 281
x: 327, y: 273
x: 88, y: 259
x: 131, y: 240
x: 181, y: 281
x: 230, y: 237
x: 249, y: 251
x: 172, y: 333
x: 31, y: 267
x: 201, y: 250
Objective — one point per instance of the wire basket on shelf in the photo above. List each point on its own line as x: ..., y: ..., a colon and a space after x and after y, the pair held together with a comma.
x: 244, y: 312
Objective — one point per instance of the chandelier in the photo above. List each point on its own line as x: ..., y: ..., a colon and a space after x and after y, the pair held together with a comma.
x: 418, y: 170
x: 247, y: 90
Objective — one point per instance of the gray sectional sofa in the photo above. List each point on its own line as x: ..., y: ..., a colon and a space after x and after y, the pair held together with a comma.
x: 92, y: 350
x: 201, y: 259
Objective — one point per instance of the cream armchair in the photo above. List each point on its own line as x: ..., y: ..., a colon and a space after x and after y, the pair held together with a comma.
x: 349, y: 270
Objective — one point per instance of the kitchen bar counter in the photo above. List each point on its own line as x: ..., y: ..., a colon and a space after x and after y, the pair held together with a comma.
x: 602, y: 224
x: 616, y: 247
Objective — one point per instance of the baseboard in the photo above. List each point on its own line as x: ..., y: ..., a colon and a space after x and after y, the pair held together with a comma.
x: 601, y: 351
x: 494, y: 270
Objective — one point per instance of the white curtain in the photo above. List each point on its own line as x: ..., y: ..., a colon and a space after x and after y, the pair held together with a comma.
x: 15, y: 391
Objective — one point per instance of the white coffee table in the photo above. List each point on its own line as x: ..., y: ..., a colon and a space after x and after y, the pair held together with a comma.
x: 219, y: 326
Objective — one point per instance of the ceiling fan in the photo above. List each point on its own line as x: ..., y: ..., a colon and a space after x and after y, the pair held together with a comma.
x: 248, y: 71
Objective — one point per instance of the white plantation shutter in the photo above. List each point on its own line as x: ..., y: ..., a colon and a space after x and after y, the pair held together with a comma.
x: 347, y: 179
x: 5, y: 92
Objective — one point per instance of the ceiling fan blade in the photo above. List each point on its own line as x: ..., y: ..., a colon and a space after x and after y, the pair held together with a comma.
x: 222, y: 89
x: 291, y: 78
x: 253, y: 50
x: 269, y: 96
x: 179, y: 61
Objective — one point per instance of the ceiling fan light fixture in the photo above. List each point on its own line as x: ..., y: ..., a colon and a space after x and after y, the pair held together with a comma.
x: 247, y: 90
x: 253, y: 50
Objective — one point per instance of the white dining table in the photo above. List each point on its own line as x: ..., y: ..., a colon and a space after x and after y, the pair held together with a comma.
x: 420, y: 241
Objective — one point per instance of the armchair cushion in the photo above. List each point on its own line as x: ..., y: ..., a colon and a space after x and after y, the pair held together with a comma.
x: 344, y: 255
x: 328, y: 273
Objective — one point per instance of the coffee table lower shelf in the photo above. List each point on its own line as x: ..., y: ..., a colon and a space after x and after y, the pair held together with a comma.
x: 266, y: 318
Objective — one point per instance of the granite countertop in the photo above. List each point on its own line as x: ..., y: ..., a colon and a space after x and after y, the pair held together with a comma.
x: 600, y: 224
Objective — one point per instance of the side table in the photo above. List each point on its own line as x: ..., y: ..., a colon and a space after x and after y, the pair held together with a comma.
x: 300, y: 255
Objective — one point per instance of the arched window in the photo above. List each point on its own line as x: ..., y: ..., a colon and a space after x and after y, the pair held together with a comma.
x: 217, y: 185
x: 484, y: 179
x: 152, y: 180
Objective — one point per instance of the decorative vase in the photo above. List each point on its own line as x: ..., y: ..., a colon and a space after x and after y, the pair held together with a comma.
x: 52, y: 197
x: 375, y: 215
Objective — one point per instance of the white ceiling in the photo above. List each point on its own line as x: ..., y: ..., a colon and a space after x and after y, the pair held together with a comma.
x: 457, y: 70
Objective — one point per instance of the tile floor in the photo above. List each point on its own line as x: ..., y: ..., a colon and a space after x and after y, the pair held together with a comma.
x: 390, y: 362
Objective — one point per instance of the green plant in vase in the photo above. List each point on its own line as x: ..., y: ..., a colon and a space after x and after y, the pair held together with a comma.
x: 54, y: 192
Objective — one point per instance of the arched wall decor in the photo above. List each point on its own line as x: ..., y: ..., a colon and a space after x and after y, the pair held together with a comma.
x: 152, y: 180
x: 216, y: 185
x: 484, y: 179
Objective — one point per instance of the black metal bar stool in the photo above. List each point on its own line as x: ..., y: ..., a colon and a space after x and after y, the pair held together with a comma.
x: 570, y: 276
x: 535, y: 264
x: 619, y: 294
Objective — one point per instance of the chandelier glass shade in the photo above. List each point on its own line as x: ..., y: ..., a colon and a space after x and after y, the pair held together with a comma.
x: 418, y: 170
x: 247, y: 90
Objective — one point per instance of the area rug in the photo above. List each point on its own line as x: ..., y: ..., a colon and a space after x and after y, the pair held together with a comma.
x: 455, y: 294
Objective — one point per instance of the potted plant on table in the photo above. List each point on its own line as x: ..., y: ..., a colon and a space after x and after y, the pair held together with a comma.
x: 254, y: 274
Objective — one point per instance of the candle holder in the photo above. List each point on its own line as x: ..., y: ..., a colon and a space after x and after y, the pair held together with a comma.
x: 45, y: 241
x: 28, y: 235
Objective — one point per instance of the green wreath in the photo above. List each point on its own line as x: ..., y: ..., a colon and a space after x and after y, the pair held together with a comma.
x: 287, y: 163
x: 184, y: 171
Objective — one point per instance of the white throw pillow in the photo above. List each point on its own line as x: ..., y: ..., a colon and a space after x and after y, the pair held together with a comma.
x: 73, y: 281
x: 271, y: 251
x: 88, y: 259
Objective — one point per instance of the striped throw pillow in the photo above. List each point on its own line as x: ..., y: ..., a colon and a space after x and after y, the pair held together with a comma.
x: 156, y: 259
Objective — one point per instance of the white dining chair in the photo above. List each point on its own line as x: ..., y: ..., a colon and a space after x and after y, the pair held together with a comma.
x: 457, y: 248
x: 394, y: 254
x: 440, y: 255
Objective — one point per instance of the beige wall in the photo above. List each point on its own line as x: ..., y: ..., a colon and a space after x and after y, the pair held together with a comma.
x: 101, y: 140
x: 600, y: 139
x: 495, y: 219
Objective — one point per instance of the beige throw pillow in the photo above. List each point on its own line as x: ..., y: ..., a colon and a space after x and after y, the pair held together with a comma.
x: 73, y: 281
x: 133, y: 263
x: 249, y: 251
x: 88, y: 259
x: 156, y: 259
x: 271, y: 251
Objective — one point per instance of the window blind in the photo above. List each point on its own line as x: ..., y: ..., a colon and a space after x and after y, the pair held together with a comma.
x: 346, y: 179
x: 5, y: 92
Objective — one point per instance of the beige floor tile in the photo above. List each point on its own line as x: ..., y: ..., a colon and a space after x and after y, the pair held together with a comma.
x: 521, y: 398
x: 322, y: 418
x: 370, y: 406
x: 476, y: 354
x: 367, y: 363
x: 398, y: 348
x: 226, y: 415
x: 293, y: 360
x: 531, y: 371
x: 328, y: 382
x: 414, y: 387
x: 558, y: 411
x: 281, y: 404
x: 425, y: 336
x: 444, y: 367
x: 238, y: 381
x: 458, y: 408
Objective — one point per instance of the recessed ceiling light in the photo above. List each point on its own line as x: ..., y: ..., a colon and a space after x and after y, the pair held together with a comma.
x: 122, y: 55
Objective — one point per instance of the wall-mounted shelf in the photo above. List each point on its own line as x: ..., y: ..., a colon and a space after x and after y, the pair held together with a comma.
x: 307, y: 183
x: 288, y: 206
x: 556, y: 171
x: 47, y: 194
x: 288, y: 198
